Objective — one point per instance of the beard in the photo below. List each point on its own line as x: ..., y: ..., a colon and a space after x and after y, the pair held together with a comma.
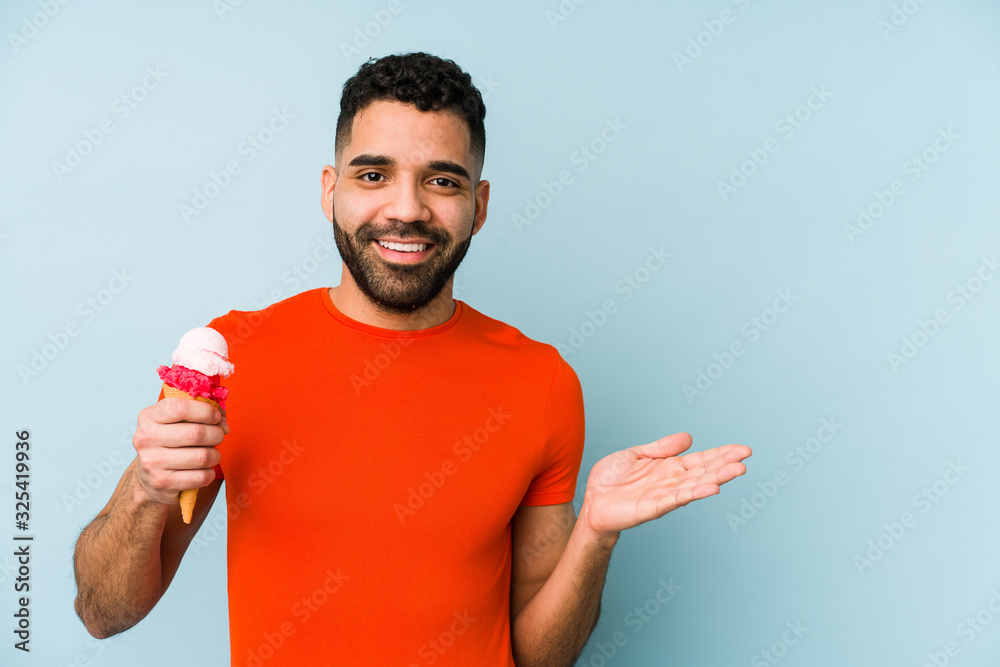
x: 399, y: 288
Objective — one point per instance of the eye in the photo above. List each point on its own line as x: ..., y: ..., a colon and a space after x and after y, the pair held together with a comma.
x: 447, y: 182
x: 370, y: 173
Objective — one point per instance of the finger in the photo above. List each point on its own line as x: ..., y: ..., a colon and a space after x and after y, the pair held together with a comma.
x: 184, y: 434
x: 163, y: 482
x: 723, y: 474
x: 682, y: 496
x: 224, y: 423
x: 665, y: 447
x: 712, y: 475
x: 716, y: 456
x: 181, y: 480
x: 734, y: 453
x: 173, y: 410
x: 703, y: 491
x: 192, y: 458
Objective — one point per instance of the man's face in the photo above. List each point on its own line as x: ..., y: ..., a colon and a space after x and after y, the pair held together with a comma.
x: 405, y: 207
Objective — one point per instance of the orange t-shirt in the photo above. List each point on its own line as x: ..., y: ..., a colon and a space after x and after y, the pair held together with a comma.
x: 371, y: 476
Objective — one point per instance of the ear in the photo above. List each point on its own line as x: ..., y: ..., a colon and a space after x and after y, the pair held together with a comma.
x: 482, y: 200
x: 328, y: 181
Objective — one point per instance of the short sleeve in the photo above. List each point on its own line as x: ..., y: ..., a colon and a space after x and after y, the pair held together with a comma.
x: 564, y: 435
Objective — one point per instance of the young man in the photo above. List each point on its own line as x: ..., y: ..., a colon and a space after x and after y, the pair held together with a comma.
x: 399, y: 467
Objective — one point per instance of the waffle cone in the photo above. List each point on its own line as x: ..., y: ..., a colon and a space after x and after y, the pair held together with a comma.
x: 173, y: 392
x: 188, y: 496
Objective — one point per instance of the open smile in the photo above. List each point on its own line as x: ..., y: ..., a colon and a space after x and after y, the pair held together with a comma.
x: 409, y: 252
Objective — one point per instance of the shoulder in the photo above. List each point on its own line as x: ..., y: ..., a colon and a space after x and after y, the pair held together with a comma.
x: 239, y: 326
x: 506, y: 339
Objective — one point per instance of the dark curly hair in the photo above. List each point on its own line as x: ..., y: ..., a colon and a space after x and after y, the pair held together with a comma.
x: 426, y: 81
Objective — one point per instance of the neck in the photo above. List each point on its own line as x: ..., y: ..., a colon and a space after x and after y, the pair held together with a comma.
x: 353, y: 303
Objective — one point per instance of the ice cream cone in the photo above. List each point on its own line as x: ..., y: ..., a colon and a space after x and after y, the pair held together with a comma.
x: 199, y: 362
x: 188, y: 496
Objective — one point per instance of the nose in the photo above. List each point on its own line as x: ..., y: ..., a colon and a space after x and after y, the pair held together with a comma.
x: 406, y: 203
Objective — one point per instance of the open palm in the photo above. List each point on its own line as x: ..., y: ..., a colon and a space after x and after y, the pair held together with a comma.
x: 645, y: 482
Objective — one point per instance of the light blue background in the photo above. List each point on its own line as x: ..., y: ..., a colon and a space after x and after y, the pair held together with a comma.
x: 550, y: 88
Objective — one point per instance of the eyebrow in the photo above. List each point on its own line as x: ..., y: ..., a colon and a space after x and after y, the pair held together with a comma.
x: 371, y: 160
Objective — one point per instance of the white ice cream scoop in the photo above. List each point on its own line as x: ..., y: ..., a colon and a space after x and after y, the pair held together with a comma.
x: 203, y: 349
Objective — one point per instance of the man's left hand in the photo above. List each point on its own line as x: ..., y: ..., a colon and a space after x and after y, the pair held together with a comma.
x: 645, y: 482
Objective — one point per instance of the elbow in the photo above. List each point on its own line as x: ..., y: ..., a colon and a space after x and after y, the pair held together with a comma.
x: 96, y: 629
x: 97, y: 633
x: 88, y: 622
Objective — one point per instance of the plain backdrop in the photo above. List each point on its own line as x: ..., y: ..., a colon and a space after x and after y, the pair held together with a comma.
x: 821, y: 178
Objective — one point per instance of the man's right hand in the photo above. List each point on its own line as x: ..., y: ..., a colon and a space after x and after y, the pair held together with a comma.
x: 175, y: 446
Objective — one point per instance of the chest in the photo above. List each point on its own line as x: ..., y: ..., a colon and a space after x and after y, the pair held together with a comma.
x: 401, y: 465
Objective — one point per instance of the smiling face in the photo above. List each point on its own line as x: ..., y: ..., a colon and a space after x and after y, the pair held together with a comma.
x: 404, y: 203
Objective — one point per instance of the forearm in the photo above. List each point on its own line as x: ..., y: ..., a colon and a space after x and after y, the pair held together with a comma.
x: 554, y: 625
x: 117, y: 561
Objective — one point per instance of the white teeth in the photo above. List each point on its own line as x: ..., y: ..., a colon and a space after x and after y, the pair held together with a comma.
x: 403, y: 247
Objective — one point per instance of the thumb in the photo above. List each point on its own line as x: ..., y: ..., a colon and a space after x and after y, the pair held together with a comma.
x: 667, y: 446
x: 224, y: 423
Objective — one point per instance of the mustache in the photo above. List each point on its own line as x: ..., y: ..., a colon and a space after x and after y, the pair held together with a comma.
x: 368, y: 232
